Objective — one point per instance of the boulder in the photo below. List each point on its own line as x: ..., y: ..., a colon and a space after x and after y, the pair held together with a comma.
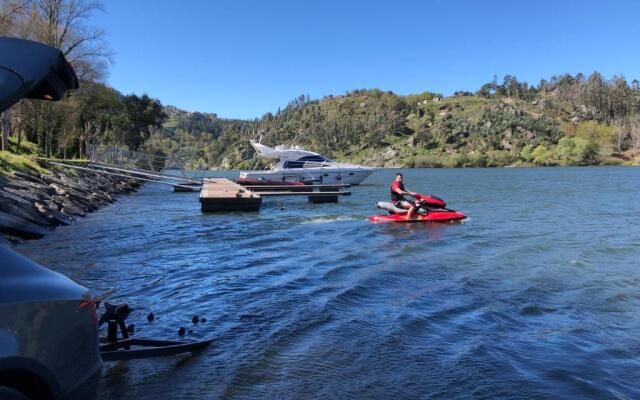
x: 53, y: 215
x: 389, y: 154
x: 15, y: 205
x: 411, y: 141
x: 16, y: 226
x: 67, y: 206
x: 28, y: 177
x: 22, y: 184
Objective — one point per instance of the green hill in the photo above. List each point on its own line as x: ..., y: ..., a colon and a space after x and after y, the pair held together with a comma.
x: 566, y: 121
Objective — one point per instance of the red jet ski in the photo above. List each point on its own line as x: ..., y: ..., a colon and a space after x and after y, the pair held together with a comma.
x: 429, y: 208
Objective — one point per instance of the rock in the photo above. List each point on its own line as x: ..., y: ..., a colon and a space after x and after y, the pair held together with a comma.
x: 59, y: 190
x: 13, y: 239
x: 29, y: 201
x: 28, y: 177
x: 389, y: 153
x: 28, y: 195
x: 506, y: 144
x: 16, y: 226
x: 37, y: 188
x: 67, y: 206
x: 14, y: 205
x: 411, y: 141
x: 53, y: 215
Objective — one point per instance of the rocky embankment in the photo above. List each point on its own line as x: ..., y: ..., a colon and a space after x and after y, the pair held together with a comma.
x: 32, y: 205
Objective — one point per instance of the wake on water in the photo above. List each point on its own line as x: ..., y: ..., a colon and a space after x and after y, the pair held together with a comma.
x: 330, y: 219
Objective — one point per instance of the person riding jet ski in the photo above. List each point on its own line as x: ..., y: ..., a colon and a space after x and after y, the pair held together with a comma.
x: 397, y: 196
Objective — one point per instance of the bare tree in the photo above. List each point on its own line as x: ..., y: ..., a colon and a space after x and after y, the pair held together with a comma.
x: 634, y: 132
x: 63, y: 24
x: 620, y: 132
x: 11, y: 12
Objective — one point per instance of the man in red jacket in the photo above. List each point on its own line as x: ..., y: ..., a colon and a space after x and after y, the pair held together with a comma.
x: 397, y: 196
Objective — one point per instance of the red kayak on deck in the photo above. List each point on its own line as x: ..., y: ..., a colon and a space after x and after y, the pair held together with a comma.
x: 429, y: 209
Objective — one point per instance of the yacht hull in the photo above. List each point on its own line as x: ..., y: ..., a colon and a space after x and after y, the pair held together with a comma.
x: 324, y: 176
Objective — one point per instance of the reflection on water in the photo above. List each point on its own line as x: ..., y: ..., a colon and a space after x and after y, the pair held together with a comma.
x: 535, y: 296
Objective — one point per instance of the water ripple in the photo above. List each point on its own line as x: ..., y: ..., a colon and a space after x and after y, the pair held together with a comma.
x: 535, y: 296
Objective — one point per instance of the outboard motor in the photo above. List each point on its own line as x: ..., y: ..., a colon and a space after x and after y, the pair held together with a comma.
x: 114, y: 316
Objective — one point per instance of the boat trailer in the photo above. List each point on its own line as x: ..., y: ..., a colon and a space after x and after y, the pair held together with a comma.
x: 113, y: 348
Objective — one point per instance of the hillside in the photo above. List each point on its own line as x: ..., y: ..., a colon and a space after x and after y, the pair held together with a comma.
x: 557, y: 123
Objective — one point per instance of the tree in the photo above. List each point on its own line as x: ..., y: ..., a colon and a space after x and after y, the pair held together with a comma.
x: 634, y: 132
x: 144, y: 113
x: 11, y: 11
x: 63, y: 25
x: 619, y: 134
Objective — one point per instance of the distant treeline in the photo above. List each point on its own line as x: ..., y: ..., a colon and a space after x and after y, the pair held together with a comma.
x: 566, y: 120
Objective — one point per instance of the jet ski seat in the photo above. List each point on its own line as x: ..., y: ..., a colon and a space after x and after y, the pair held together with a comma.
x: 384, y: 205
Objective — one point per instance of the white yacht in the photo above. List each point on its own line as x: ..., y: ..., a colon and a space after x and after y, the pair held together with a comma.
x: 298, y: 164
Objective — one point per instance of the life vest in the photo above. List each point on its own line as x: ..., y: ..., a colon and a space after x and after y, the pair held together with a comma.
x: 395, y: 197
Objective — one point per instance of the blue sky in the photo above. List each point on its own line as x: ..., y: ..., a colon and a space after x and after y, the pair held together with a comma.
x: 241, y: 59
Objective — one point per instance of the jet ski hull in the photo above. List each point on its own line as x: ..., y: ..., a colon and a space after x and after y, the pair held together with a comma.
x: 441, y: 216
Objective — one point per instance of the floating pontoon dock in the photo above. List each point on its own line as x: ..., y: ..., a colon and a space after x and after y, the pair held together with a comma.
x: 219, y: 194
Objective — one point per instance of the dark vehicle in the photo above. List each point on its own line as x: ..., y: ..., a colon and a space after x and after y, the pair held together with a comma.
x: 48, y: 324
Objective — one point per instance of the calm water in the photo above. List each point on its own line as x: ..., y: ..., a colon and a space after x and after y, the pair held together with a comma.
x: 536, y: 296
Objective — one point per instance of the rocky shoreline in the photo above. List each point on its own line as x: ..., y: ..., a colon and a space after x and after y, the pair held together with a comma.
x: 33, y: 204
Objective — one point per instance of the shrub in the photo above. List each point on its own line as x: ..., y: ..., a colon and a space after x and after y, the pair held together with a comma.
x: 500, y: 158
x: 576, y: 151
x: 527, y: 153
x: 542, y: 155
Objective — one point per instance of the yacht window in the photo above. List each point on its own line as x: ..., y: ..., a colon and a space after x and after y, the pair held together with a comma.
x: 293, y: 164
x: 313, y: 158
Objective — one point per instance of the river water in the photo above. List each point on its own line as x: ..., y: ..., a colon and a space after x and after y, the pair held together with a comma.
x: 537, y: 295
